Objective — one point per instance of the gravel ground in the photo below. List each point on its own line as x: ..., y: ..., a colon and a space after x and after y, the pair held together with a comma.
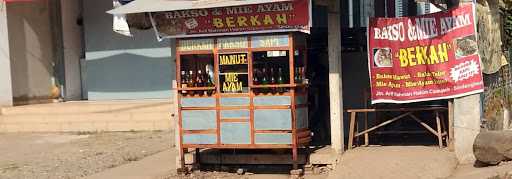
x: 55, y: 156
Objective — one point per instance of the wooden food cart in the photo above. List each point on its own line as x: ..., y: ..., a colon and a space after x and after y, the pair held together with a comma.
x: 243, y: 92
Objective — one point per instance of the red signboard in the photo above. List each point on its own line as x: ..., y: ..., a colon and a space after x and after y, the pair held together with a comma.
x: 293, y: 15
x: 426, y: 57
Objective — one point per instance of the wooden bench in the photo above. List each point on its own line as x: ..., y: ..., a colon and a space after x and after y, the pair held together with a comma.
x: 405, y: 112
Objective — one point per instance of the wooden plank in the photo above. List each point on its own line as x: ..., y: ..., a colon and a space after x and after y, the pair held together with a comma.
x: 351, y: 130
x: 196, y: 88
x: 439, y: 130
x: 272, y: 131
x: 235, y: 120
x: 217, y: 84
x: 397, y: 109
x: 239, y: 146
x: 209, y: 131
x: 426, y: 126
x: 384, y: 123
x: 272, y: 107
x: 450, y: 125
x: 251, y: 92
x: 303, y: 134
x: 196, y: 52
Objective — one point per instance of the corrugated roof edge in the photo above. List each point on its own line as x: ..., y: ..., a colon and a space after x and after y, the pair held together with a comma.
x: 141, y: 6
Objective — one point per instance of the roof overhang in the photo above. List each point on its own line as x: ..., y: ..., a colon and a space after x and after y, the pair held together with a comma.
x: 141, y: 6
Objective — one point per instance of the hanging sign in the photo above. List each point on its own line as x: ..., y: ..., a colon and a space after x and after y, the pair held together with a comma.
x: 426, y: 57
x: 293, y: 15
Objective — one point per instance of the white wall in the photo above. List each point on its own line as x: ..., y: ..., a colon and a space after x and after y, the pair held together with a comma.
x: 72, y: 42
x: 5, y: 63
x: 31, y: 50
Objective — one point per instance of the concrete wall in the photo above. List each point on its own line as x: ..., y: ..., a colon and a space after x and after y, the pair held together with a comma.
x: 5, y: 62
x: 120, y: 67
x: 31, y: 50
x: 73, y: 48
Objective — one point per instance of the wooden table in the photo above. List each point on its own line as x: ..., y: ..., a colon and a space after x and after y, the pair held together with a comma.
x: 439, y: 133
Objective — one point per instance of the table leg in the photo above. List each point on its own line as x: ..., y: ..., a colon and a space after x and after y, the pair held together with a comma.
x: 366, y: 136
x: 351, y: 130
x: 439, y: 131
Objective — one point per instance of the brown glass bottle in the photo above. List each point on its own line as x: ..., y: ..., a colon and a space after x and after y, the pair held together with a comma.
x: 191, y: 82
x: 183, y: 82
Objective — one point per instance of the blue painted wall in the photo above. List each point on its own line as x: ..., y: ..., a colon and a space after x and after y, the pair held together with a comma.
x: 120, y: 67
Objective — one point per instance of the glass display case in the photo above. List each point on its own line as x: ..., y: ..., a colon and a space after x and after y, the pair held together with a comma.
x: 243, y: 92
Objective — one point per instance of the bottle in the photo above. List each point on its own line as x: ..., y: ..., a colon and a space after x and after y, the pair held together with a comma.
x: 280, y: 79
x: 264, y: 80
x: 297, y: 77
x: 199, y: 80
x: 191, y: 82
x: 183, y: 82
x: 272, y: 76
x: 255, y: 80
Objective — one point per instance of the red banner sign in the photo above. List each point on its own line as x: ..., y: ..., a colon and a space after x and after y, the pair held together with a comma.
x: 294, y: 15
x: 422, y: 58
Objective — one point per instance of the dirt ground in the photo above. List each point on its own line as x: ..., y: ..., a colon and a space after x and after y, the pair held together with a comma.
x: 489, y: 172
x: 74, y: 155
x: 396, y: 162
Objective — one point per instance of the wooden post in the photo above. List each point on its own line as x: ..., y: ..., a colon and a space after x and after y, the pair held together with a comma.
x: 5, y: 59
x: 450, y: 126
x: 335, y: 83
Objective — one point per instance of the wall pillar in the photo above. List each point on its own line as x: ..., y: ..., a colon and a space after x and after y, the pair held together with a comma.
x: 335, y: 84
x: 5, y: 59
x: 467, y: 112
x: 72, y: 48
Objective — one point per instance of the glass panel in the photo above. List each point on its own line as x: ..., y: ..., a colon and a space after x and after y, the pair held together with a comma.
x: 299, y: 73
x: 233, y: 73
x: 232, y: 42
x: 270, y: 41
x: 195, y: 44
x: 271, y: 68
x: 197, y: 71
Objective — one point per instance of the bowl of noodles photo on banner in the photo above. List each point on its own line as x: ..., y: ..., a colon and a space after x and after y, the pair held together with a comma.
x: 382, y: 57
x: 465, y: 46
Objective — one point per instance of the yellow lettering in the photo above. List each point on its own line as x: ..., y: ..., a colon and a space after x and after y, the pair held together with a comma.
x: 281, y: 19
x: 268, y: 20
x: 433, y: 55
x: 255, y: 21
x: 410, y: 56
x: 241, y: 20
x: 230, y: 22
x: 442, y: 52
x: 419, y: 56
x: 217, y: 22
x: 403, y: 58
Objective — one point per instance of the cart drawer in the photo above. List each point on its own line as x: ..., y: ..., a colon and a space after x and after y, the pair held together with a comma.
x: 273, y: 138
x: 199, y: 119
x: 199, y: 139
x: 235, y: 133
x: 234, y: 101
x: 273, y: 119
x: 197, y: 102
x: 272, y: 100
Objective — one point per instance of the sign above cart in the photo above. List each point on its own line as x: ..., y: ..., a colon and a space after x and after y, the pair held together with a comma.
x: 279, y: 16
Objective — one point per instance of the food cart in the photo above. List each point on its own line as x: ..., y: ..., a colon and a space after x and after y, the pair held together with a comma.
x: 243, y: 92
